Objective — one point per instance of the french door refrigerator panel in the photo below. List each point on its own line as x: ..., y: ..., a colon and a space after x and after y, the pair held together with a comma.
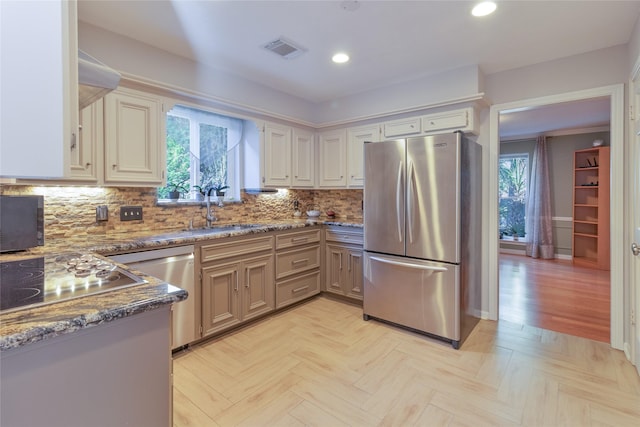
x: 433, y: 191
x: 422, y: 295
x: 384, y: 196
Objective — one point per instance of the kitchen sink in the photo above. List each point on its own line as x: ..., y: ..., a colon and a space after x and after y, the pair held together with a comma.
x: 222, y: 228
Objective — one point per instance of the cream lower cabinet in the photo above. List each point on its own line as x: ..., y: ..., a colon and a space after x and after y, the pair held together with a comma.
x: 298, y: 259
x: 237, y: 282
x: 343, y: 262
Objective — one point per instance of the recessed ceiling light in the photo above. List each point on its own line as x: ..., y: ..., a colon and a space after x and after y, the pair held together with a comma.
x: 340, y: 58
x: 483, y: 9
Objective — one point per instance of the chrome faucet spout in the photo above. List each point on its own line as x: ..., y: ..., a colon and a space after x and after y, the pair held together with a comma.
x: 210, y: 217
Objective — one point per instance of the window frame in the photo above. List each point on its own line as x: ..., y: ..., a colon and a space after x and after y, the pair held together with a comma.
x: 197, y: 115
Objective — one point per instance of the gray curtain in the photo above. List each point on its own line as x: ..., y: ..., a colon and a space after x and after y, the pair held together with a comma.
x: 538, y: 221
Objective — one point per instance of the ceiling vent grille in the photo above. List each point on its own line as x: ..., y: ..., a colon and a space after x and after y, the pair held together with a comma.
x: 284, y: 48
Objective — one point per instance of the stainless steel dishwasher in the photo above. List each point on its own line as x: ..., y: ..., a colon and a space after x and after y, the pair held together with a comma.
x: 175, y: 266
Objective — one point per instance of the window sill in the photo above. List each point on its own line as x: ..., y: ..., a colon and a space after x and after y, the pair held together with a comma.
x: 509, y: 239
x: 187, y: 202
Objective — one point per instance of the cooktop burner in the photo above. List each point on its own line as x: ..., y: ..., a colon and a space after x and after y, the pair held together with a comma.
x: 44, y: 280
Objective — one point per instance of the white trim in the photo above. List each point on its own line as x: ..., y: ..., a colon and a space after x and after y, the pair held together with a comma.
x: 616, y: 95
x: 513, y: 251
x: 228, y: 106
x: 562, y: 218
x: 564, y: 257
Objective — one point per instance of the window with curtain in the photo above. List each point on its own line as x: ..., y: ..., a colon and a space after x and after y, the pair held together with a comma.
x: 513, y: 184
x: 202, y: 152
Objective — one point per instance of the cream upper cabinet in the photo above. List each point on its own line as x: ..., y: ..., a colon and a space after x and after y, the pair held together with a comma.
x: 332, y: 146
x: 39, y: 83
x: 402, y: 127
x: 463, y: 120
x: 86, y: 159
x: 355, y: 153
x: 303, y: 159
x: 134, y: 138
x: 277, y: 155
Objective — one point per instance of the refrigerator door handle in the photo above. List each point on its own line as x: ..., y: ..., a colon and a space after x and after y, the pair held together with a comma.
x: 410, y: 184
x: 408, y: 264
x: 399, y: 201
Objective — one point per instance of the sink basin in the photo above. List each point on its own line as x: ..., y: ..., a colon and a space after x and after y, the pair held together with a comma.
x: 222, y: 228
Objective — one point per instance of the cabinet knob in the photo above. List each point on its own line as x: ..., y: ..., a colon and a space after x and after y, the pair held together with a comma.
x: 113, y: 166
x: 87, y: 165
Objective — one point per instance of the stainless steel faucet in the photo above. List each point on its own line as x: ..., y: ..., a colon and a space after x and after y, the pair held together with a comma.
x: 210, y: 217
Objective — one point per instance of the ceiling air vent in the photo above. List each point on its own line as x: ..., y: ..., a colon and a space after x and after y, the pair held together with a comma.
x: 284, y: 48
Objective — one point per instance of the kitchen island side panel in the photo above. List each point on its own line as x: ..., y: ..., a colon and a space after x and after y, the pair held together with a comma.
x: 115, y: 374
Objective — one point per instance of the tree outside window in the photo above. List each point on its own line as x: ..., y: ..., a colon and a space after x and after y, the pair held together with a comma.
x: 513, y: 182
x: 202, y: 152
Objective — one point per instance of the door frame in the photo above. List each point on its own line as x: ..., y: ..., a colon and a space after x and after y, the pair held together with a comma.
x: 616, y: 97
x: 632, y: 350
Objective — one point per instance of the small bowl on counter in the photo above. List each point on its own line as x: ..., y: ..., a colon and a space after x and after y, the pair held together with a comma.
x: 313, y: 214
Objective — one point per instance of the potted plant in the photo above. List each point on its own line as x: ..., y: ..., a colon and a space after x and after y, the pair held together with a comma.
x: 176, y: 189
x: 219, y: 189
x: 201, y: 192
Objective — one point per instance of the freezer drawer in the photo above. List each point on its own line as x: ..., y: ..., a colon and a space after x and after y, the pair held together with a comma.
x: 418, y: 294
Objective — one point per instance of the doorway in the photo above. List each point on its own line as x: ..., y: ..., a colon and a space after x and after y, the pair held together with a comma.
x: 616, y: 97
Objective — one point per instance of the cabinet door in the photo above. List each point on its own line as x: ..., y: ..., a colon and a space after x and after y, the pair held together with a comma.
x: 220, y: 297
x: 333, y: 153
x: 39, y: 82
x: 277, y: 146
x: 84, y: 153
x: 334, y: 269
x: 258, y: 293
x: 303, y: 159
x: 354, y: 273
x: 355, y: 153
x: 134, y: 138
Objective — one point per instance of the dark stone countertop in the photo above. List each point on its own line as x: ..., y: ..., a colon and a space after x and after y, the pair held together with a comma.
x: 31, y: 325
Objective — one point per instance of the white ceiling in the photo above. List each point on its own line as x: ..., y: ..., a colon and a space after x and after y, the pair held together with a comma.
x: 388, y: 41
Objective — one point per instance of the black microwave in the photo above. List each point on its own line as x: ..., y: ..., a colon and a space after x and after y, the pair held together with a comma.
x: 21, y: 222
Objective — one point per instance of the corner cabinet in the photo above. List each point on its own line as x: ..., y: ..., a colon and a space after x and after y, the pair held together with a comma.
x: 39, y: 83
x: 343, y: 261
x: 134, y: 138
x: 591, y: 208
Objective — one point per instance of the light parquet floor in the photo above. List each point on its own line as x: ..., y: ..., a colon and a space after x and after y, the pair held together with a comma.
x: 320, y: 364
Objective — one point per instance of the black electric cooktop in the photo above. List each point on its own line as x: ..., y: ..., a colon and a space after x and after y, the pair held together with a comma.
x: 45, y: 280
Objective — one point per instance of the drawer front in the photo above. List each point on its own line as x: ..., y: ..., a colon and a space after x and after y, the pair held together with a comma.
x: 297, y: 260
x: 299, y: 238
x: 227, y: 249
x: 299, y: 288
x: 454, y: 120
x: 402, y: 127
x: 354, y: 236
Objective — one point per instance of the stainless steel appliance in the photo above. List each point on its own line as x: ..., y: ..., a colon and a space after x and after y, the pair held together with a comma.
x: 33, y: 282
x: 422, y: 234
x: 21, y: 222
x: 175, y: 266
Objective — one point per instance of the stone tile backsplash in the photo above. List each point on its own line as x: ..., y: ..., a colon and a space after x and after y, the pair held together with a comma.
x: 71, y: 211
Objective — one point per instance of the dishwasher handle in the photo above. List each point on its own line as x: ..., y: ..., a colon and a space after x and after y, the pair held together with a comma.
x: 152, y: 254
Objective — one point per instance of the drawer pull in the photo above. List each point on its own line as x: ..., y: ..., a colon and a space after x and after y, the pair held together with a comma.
x: 299, y: 239
x: 304, y: 288
x: 300, y: 261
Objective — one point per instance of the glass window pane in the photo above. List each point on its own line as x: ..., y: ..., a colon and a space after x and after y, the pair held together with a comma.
x: 513, y: 184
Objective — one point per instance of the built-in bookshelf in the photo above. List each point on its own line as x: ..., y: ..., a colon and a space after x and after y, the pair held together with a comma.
x: 591, y: 229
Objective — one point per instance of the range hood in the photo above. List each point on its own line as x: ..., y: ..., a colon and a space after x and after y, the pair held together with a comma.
x: 95, y: 79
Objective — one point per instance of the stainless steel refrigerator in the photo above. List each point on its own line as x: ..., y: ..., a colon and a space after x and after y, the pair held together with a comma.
x: 422, y: 234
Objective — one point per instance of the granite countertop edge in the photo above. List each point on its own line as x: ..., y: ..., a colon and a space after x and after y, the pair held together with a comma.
x: 29, y: 326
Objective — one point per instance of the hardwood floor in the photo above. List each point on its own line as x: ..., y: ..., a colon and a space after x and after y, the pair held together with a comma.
x: 555, y: 295
x: 320, y: 364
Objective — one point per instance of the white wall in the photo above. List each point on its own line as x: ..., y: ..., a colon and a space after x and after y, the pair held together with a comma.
x: 634, y: 46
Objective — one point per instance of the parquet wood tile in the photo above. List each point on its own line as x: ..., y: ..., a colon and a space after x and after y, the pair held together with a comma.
x: 320, y: 364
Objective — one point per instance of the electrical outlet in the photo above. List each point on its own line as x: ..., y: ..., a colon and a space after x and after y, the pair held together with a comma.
x: 130, y: 213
